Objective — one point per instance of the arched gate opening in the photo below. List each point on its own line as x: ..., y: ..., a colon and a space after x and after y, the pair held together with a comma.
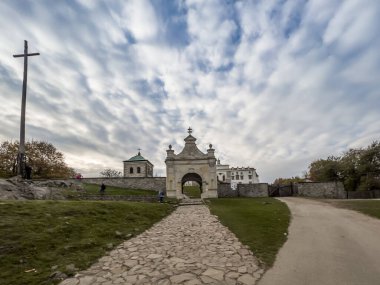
x: 192, y: 185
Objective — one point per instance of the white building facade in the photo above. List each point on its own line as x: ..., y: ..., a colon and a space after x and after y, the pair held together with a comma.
x: 244, y: 175
x: 236, y: 175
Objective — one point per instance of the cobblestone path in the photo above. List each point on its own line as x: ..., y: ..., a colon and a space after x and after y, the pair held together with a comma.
x: 190, y: 246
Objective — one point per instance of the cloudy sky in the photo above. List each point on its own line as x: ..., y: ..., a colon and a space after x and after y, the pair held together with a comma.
x: 271, y: 84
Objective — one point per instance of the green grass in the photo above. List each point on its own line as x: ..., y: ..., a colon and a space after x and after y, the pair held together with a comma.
x: 41, y: 234
x: 260, y: 223
x: 192, y: 191
x: 368, y: 207
x: 93, y: 189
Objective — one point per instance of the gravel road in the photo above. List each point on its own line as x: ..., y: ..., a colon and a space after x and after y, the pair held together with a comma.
x: 327, y: 245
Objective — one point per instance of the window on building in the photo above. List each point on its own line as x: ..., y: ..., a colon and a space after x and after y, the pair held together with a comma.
x: 249, y: 176
x: 232, y: 177
x: 242, y: 177
x: 131, y: 170
x: 224, y: 178
x: 237, y: 177
x: 138, y: 169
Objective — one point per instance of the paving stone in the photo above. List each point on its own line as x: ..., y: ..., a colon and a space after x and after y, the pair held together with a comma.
x: 176, y: 279
x: 193, y: 282
x: 177, y: 260
x: 164, y: 282
x: 233, y: 275
x: 70, y: 281
x: 247, y: 279
x: 100, y: 280
x: 154, y: 256
x: 229, y: 281
x: 130, y: 263
x: 117, y: 270
x: 87, y: 280
x: 131, y: 278
x: 213, y: 273
x: 119, y: 281
x: 208, y: 280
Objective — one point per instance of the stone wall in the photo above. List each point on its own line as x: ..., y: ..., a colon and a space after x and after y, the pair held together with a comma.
x: 329, y: 190
x: 243, y: 190
x: 253, y: 190
x: 225, y: 191
x: 145, y: 183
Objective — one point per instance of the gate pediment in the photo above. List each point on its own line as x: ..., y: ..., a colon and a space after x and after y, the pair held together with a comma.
x: 190, y: 150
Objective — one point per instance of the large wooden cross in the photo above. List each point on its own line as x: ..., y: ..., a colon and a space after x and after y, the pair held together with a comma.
x: 21, y: 149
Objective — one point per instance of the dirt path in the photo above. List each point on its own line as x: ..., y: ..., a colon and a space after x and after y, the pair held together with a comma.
x: 327, y: 245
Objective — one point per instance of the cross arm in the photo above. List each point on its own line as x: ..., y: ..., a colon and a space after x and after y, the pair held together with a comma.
x: 29, y: 54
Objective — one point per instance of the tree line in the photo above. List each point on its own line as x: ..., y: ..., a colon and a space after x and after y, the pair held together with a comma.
x: 43, y: 158
x: 358, y: 169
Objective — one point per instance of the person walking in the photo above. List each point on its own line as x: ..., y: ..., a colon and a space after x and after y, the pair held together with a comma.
x: 161, y: 196
x: 102, y: 189
x: 28, y: 171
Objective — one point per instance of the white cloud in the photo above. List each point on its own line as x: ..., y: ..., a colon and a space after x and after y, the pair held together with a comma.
x: 139, y: 17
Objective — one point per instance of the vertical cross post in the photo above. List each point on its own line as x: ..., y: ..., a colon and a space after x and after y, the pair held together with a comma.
x: 21, y: 149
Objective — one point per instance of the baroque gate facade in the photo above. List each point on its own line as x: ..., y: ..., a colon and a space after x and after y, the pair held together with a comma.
x: 191, y: 165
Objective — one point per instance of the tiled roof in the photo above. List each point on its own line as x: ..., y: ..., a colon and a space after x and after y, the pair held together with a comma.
x: 137, y: 157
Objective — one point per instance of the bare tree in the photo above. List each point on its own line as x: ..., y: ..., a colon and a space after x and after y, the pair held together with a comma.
x: 108, y: 172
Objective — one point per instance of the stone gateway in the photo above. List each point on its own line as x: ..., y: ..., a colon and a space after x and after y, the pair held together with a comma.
x: 191, y: 165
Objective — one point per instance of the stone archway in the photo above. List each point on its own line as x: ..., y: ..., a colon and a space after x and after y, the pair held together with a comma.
x: 191, y: 165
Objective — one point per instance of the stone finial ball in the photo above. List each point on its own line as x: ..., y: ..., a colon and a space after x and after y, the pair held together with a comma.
x: 170, y: 146
x: 210, y: 145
